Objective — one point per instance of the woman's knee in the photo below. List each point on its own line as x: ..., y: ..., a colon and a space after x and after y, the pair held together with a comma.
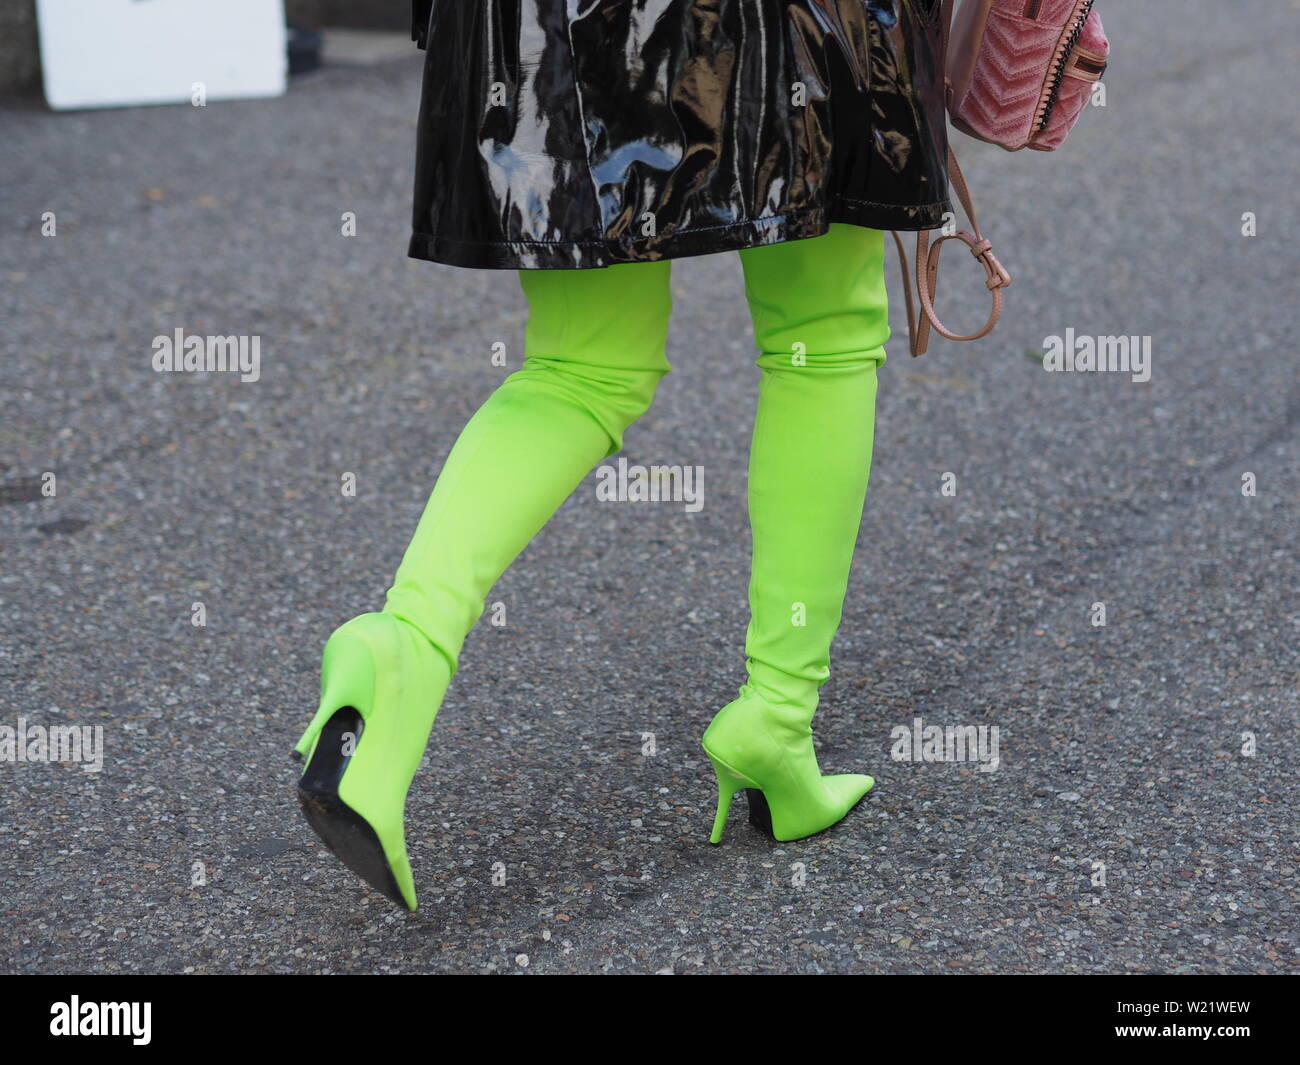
x: 825, y: 364
x: 821, y: 297
x: 597, y: 339
x: 614, y: 396
x: 614, y: 317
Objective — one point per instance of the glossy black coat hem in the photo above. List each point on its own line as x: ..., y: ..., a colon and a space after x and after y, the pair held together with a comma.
x: 736, y: 236
x: 551, y: 133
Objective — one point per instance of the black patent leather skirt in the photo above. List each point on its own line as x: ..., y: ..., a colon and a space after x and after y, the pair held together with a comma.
x: 580, y: 133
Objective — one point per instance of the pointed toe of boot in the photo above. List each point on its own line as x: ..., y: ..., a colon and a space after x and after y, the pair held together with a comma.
x: 849, y: 788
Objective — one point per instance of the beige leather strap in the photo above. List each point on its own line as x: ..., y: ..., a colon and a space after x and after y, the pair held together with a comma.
x: 927, y: 272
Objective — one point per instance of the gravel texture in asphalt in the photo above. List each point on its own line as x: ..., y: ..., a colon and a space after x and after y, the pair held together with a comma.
x: 1142, y: 816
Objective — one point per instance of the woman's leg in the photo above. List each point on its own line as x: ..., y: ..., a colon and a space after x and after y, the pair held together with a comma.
x: 820, y: 314
x: 594, y: 354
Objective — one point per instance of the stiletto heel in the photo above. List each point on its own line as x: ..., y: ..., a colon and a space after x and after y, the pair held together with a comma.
x: 381, y: 685
x: 729, y: 782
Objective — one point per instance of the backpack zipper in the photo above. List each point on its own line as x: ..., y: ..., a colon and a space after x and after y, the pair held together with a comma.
x: 1065, y: 49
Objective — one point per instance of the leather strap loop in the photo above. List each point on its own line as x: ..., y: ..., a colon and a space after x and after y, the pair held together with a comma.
x: 927, y: 272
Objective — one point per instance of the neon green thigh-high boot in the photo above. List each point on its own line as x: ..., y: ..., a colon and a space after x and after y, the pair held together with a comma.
x: 820, y: 322
x: 594, y: 355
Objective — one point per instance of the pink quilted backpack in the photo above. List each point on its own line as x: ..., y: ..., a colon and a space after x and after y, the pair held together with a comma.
x: 1020, y: 73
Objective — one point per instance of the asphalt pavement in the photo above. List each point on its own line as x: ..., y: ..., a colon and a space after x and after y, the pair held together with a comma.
x: 1142, y: 816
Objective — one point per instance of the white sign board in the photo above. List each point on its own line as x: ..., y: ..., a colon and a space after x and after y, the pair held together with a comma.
x: 117, y: 53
